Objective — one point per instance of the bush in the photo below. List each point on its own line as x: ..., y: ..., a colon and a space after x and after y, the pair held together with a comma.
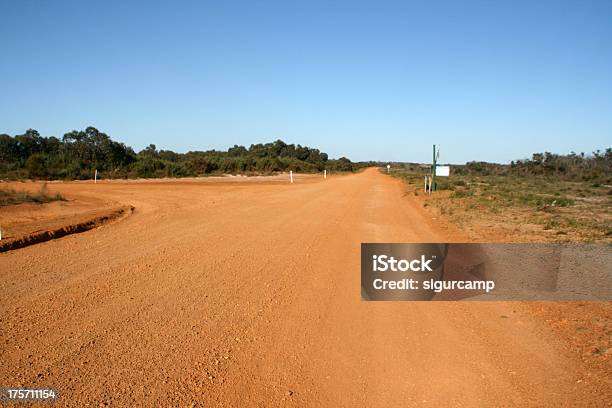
x: 79, y: 153
x: 35, y: 165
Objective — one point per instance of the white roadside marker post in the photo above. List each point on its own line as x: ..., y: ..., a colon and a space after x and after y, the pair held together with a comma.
x: 96, y: 177
x: 324, y: 174
x: 0, y: 233
x: 425, y: 185
x: 388, y: 168
x: 291, y: 175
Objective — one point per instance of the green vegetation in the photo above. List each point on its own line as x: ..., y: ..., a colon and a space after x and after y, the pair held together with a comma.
x: 79, y: 153
x: 567, y: 196
x: 10, y: 196
x: 596, y: 168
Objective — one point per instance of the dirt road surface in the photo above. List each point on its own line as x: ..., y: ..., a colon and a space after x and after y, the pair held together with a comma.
x: 248, y: 294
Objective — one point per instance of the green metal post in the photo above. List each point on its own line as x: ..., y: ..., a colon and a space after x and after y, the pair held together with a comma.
x: 434, y: 169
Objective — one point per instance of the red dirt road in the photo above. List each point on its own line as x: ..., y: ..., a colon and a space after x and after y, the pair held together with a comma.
x: 248, y: 294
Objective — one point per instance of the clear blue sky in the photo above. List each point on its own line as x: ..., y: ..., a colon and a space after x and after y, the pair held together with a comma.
x: 487, y: 80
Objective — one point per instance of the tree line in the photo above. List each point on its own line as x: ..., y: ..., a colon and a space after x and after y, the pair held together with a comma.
x: 596, y: 167
x: 79, y: 153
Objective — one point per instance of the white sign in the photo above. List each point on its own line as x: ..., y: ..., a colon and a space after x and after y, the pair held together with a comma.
x: 388, y: 166
x: 443, y: 171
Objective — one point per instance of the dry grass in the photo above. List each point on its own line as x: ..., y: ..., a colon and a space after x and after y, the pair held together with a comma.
x: 11, y: 197
x: 543, y: 208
